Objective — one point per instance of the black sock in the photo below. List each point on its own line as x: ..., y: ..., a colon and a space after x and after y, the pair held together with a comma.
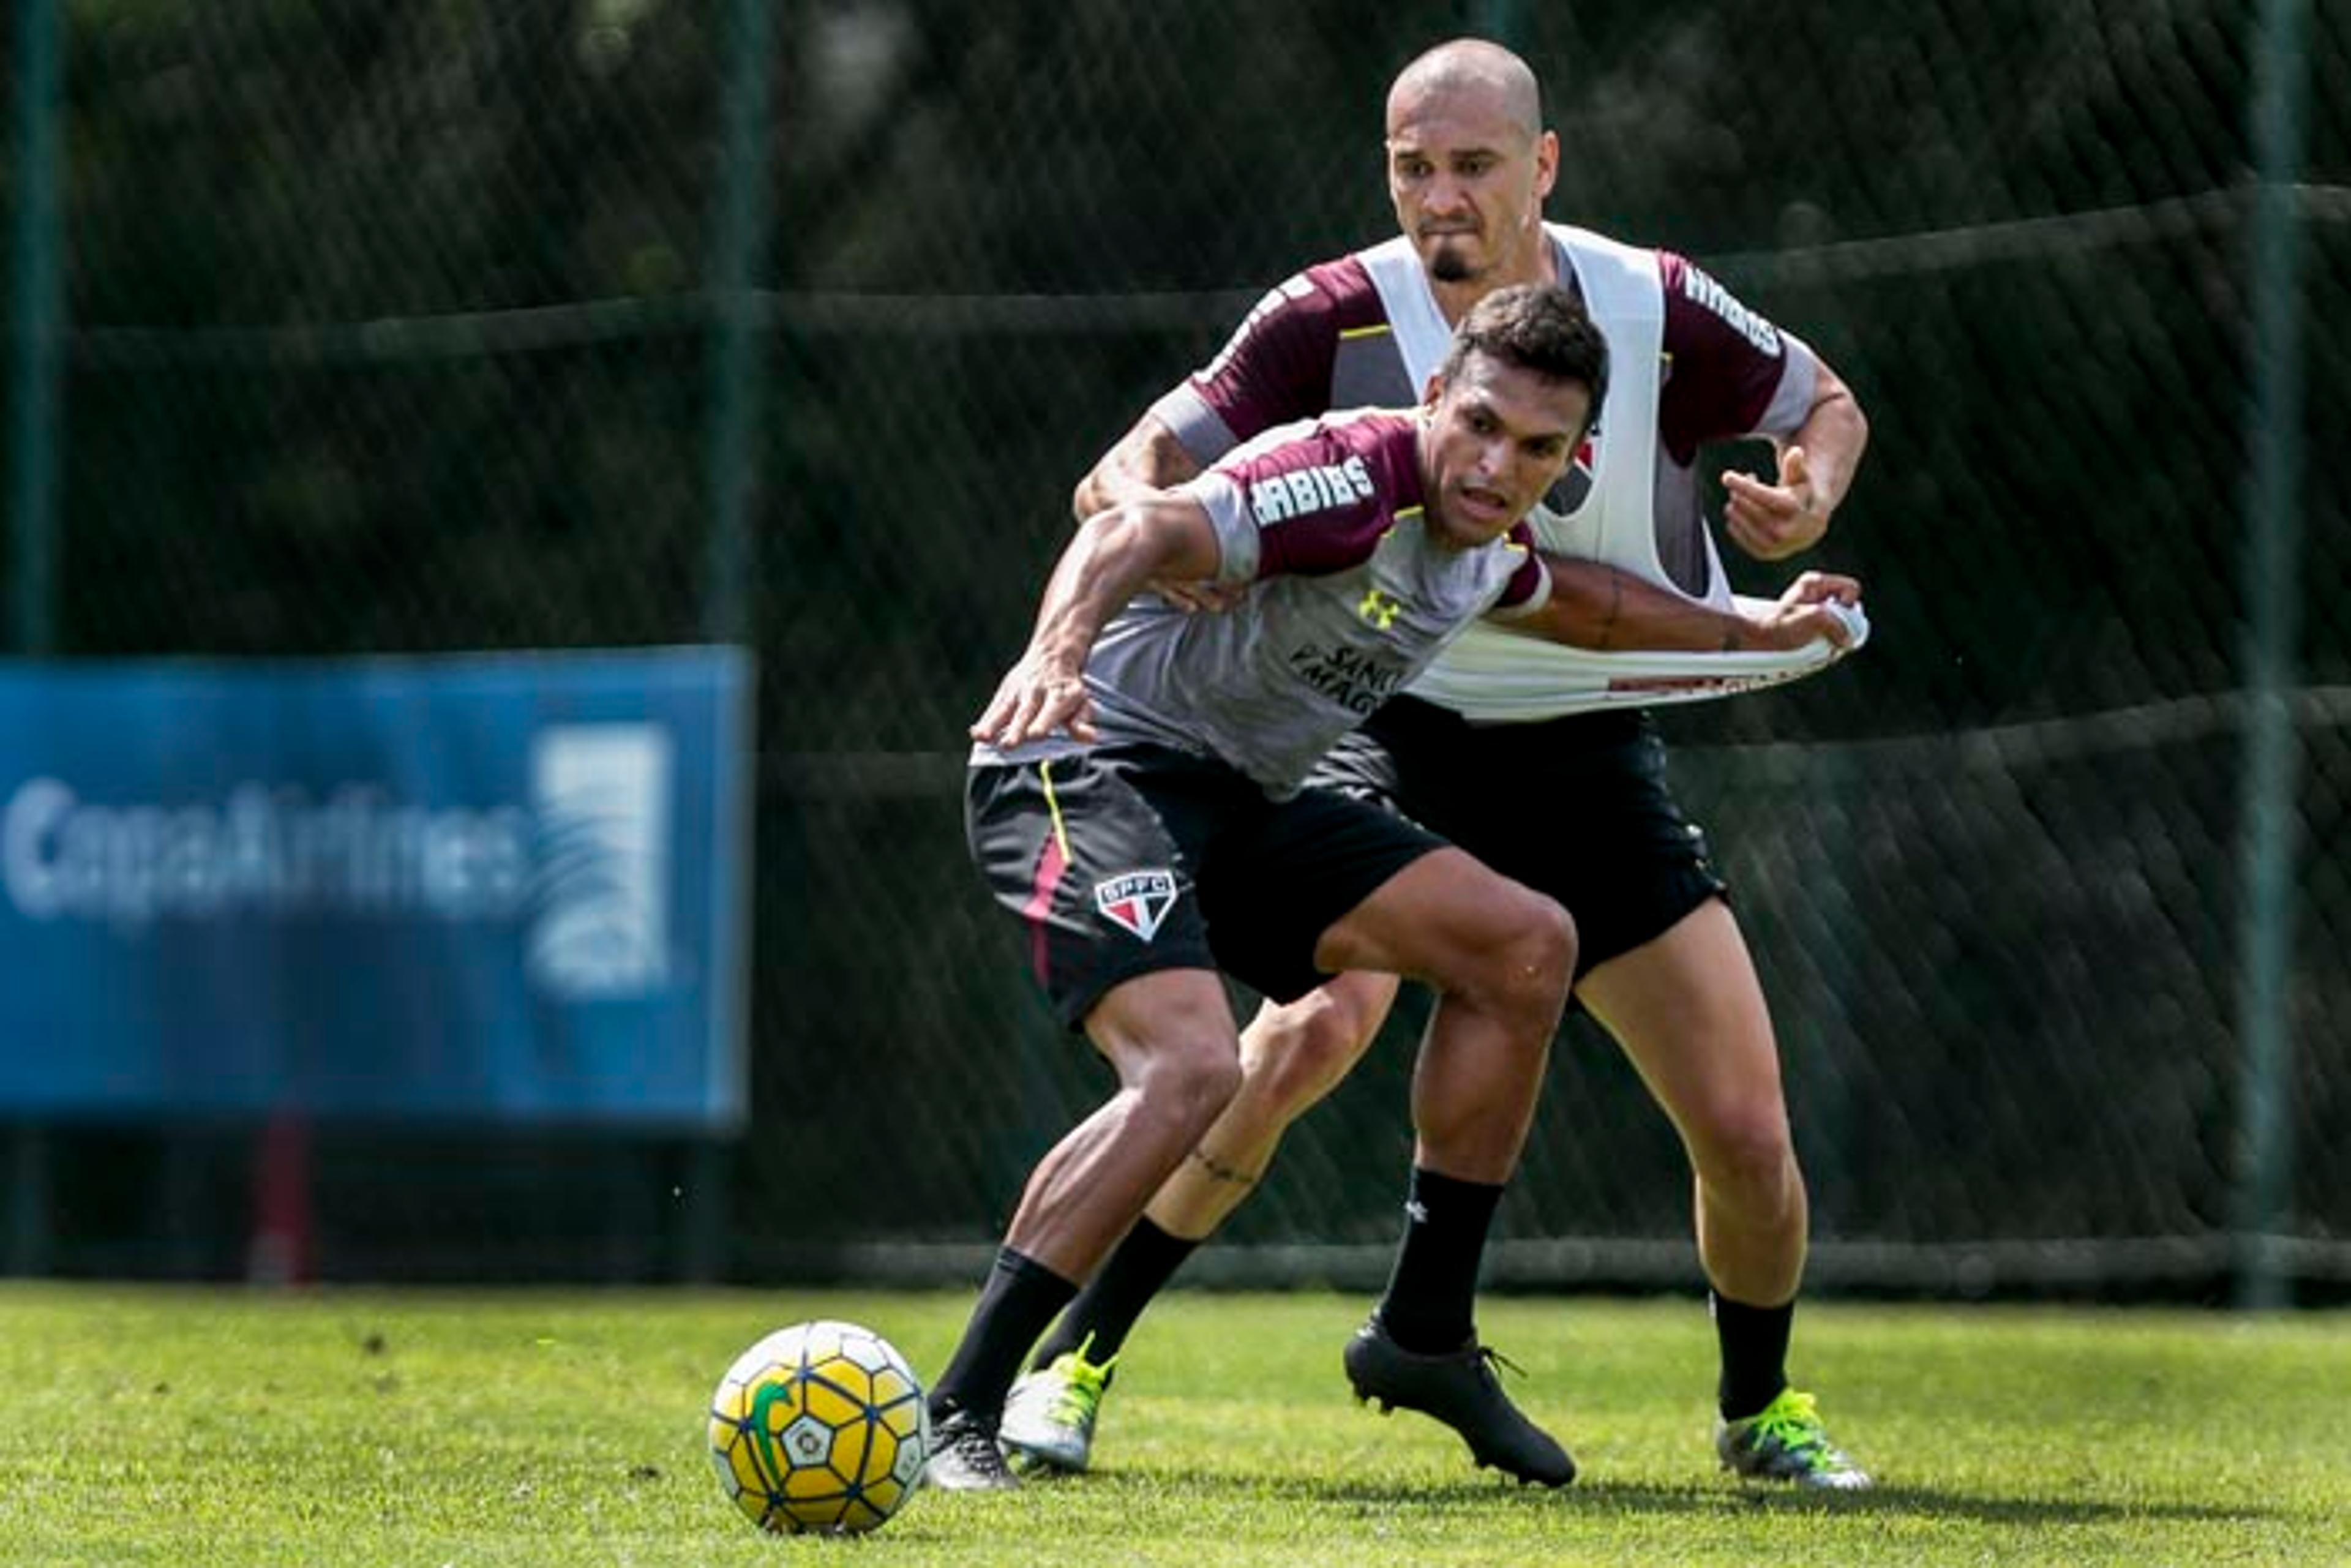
x: 1430, y: 1304
x: 1021, y: 1296
x: 1754, y: 1345
x: 1098, y: 1321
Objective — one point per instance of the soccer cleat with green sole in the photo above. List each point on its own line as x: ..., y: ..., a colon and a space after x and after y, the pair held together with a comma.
x: 1785, y: 1441
x: 1049, y: 1420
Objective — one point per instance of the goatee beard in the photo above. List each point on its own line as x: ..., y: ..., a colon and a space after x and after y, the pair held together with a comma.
x: 1449, y: 266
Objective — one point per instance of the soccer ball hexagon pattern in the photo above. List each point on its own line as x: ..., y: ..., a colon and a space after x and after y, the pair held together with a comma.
x: 819, y: 1427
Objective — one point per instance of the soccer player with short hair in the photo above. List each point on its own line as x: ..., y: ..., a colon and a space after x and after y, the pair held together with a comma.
x: 1135, y: 800
x: 1662, y: 966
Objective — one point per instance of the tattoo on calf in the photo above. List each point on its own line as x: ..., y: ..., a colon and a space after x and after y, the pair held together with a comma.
x: 1219, y: 1171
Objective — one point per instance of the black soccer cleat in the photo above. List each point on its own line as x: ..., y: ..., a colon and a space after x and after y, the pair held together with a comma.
x: 965, y: 1456
x: 1459, y: 1388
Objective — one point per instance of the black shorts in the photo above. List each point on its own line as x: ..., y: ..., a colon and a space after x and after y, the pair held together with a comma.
x: 1599, y: 831
x: 1127, y: 860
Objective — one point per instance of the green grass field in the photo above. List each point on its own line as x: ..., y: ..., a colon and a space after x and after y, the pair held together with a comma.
x: 198, y: 1426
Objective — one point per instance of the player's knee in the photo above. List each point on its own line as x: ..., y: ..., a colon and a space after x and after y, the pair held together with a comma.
x: 1744, y: 1147
x: 1191, y: 1078
x: 1294, y: 1055
x: 1526, y: 973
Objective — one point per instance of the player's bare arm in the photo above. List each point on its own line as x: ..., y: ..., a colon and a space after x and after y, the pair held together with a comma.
x: 1773, y: 521
x: 1110, y: 556
x: 1148, y: 458
x: 1597, y: 606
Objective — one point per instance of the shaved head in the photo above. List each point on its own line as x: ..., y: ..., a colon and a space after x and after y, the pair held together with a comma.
x: 1473, y: 69
x: 1469, y: 166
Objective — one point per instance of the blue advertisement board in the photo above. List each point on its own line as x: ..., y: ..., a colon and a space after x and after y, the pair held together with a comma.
x: 485, y: 887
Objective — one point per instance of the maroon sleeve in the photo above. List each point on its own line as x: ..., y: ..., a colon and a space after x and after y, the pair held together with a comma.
x: 1724, y: 362
x: 1530, y: 581
x: 1321, y: 501
x: 1275, y: 367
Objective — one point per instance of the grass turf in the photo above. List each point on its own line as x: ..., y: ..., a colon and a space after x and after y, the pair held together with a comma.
x: 204, y: 1426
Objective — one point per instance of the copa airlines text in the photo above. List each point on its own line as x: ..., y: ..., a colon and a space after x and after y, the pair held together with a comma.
x: 267, y: 850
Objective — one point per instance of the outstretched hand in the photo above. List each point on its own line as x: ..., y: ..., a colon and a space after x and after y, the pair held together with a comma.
x: 1816, y: 605
x: 1031, y: 703
x: 1771, y: 522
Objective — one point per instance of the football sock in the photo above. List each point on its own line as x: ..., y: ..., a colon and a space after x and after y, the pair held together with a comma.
x: 1428, y: 1307
x: 1106, y: 1311
x: 1021, y: 1296
x: 1754, y: 1346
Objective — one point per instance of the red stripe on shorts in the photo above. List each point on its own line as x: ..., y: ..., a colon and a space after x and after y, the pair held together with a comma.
x: 1039, y: 912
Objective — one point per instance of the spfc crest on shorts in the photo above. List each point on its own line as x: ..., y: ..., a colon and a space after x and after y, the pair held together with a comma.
x: 1138, y: 900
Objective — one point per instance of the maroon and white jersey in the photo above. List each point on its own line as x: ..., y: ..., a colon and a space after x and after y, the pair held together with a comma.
x: 1688, y: 364
x: 1348, y: 597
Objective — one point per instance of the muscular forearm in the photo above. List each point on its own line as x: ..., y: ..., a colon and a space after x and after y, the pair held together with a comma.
x: 1146, y: 458
x: 1110, y: 556
x: 1108, y: 560
x: 1594, y: 605
x: 1607, y: 609
x: 1834, y: 437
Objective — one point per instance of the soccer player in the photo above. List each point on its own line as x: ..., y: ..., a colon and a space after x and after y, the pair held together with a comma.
x: 1662, y: 964
x: 1134, y: 800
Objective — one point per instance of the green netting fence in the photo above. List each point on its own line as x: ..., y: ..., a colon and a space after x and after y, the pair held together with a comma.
x: 342, y: 328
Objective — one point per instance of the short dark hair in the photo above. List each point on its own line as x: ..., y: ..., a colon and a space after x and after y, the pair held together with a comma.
x: 1538, y: 327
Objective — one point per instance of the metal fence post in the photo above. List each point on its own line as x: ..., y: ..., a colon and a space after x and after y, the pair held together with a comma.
x: 2272, y: 601
x: 1500, y: 20
x: 37, y: 328
x: 36, y: 321
x: 737, y: 385
x: 738, y: 252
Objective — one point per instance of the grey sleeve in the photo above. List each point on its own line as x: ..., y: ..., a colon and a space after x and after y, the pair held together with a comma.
x: 1793, y: 399
x: 1228, y: 515
x: 1201, y: 429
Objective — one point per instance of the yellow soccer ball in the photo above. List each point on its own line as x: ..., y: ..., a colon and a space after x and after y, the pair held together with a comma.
x: 819, y: 1427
